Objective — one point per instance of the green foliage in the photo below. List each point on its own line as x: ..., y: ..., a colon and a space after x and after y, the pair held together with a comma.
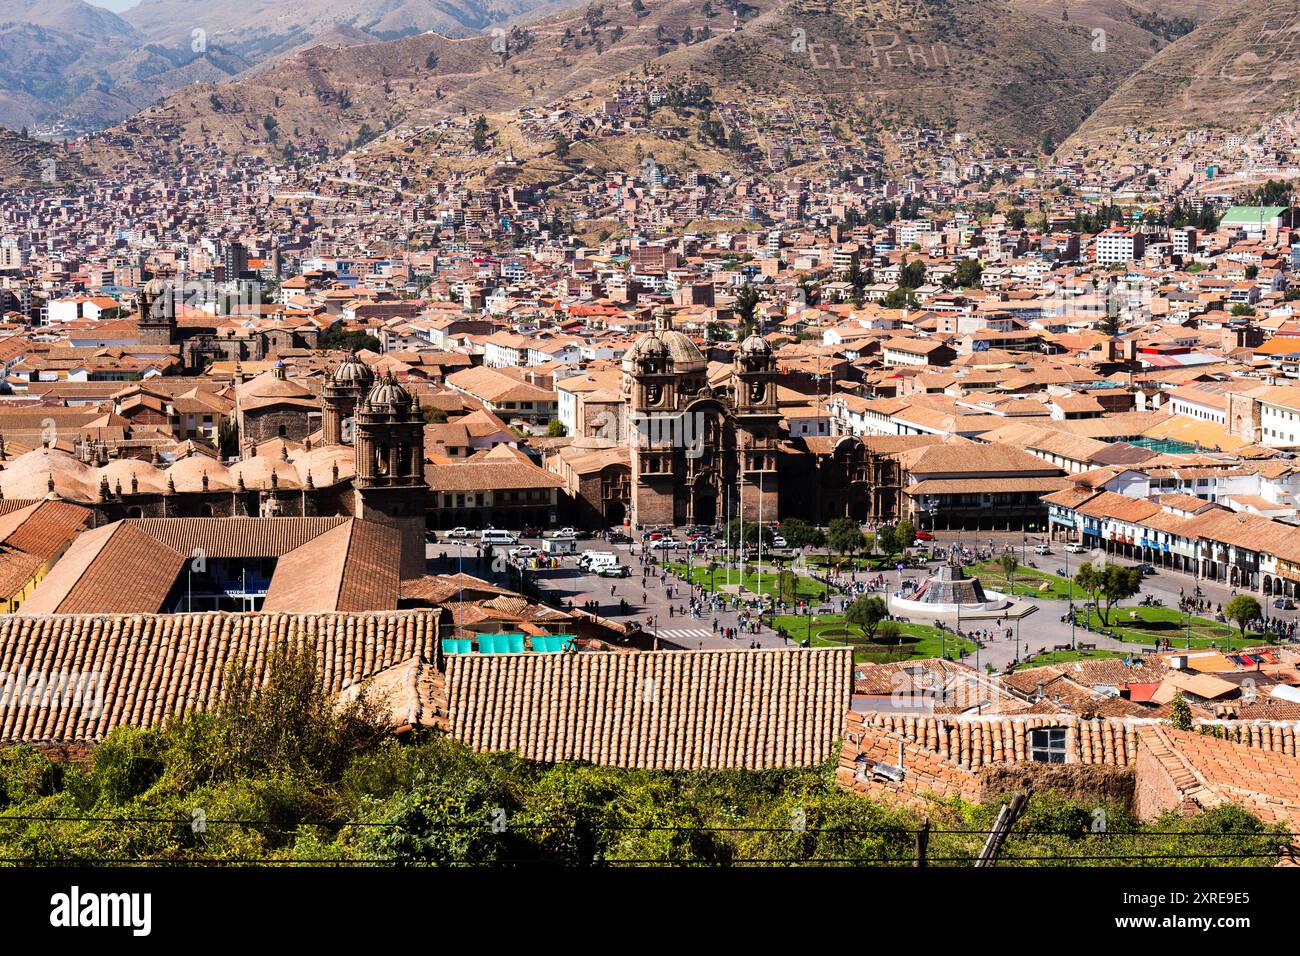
x: 843, y: 536
x: 283, y: 772
x: 555, y: 429
x: 1107, y: 585
x: 889, y: 541
x: 25, y: 774
x: 336, y: 337
x: 1180, y: 715
x: 1242, y: 609
x: 867, y: 612
x: 1009, y: 565
x: 800, y: 534
x: 277, y: 726
x: 753, y: 531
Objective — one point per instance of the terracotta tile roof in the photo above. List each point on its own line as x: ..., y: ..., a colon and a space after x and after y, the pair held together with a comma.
x: 154, y: 666
x: 655, y: 710
x: 349, y: 570
x: 1208, y: 771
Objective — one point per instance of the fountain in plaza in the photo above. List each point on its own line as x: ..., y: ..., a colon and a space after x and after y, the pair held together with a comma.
x: 951, y: 590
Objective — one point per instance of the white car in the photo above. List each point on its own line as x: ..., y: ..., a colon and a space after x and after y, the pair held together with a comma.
x: 779, y: 542
x: 460, y: 533
x: 527, y: 551
x: 1075, y: 548
x: 1042, y: 549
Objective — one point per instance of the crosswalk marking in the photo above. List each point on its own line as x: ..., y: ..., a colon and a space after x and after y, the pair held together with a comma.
x: 696, y: 632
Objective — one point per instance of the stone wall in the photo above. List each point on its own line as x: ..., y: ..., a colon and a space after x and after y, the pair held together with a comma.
x: 1087, y: 783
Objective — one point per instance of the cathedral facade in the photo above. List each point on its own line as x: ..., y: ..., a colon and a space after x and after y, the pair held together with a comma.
x: 701, y: 454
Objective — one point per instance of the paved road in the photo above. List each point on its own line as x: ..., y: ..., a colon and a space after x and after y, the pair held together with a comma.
x: 650, y: 604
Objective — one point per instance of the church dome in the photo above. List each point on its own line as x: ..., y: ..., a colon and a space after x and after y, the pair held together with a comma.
x: 155, y: 287
x: 388, y: 392
x: 755, y: 345
x: 683, y: 354
x: 353, y: 373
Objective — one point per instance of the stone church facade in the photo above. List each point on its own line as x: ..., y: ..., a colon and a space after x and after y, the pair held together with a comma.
x: 701, y: 455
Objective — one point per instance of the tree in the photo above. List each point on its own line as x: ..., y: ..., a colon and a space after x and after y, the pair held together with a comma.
x: 1243, y: 609
x: 556, y: 429
x: 1180, y: 715
x: 479, y: 141
x: 1091, y: 579
x: 800, y: 534
x: 752, y: 532
x: 887, y: 540
x: 912, y: 275
x: 1117, y: 584
x: 967, y: 274
x: 1009, y: 565
x: 867, y: 612
x: 746, y: 306
x: 787, y: 586
x: 844, y: 536
x: 904, y: 534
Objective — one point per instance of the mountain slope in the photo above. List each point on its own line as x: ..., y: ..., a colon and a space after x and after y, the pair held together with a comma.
x: 265, y: 28
x: 1234, y: 72
x: 981, y: 66
x: 64, y: 61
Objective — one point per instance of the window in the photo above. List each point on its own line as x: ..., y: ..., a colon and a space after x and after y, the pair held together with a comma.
x: 1047, y: 745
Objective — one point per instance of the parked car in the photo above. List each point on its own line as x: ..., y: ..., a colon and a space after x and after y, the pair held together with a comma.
x: 1075, y: 547
x: 531, y: 532
x: 527, y: 551
x: 924, y: 536
x: 431, y: 537
x: 617, y: 537
x: 613, y: 571
x: 1042, y: 549
x: 1145, y: 569
x: 779, y: 542
x: 460, y: 533
x: 566, y: 533
x: 1284, y: 604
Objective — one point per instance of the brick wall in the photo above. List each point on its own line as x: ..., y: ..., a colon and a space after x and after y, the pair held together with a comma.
x: 1156, y: 789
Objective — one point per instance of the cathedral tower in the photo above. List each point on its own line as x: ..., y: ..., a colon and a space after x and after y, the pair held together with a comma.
x: 156, y: 308
x: 347, y: 386
x: 388, y: 436
x: 757, y: 427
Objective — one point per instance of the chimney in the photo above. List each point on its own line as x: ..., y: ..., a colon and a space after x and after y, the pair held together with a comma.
x: 1042, y: 689
x: 900, y: 754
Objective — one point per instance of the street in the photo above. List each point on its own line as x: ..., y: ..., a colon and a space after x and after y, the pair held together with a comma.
x: 650, y: 604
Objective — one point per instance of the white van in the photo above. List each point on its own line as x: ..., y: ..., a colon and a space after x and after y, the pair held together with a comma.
x: 594, y: 560
x: 499, y: 536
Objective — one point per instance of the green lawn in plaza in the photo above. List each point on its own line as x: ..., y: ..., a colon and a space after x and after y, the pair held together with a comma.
x: 919, y: 641
x: 1028, y: 581
x: 805, y: 587
x: 1147, y: 625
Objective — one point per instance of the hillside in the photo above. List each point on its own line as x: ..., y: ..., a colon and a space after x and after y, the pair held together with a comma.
x: 26, y: 162
x: 1016, y: 76
x: 67, y: 65
x: 1233, y: 72
x: 66, y: 62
